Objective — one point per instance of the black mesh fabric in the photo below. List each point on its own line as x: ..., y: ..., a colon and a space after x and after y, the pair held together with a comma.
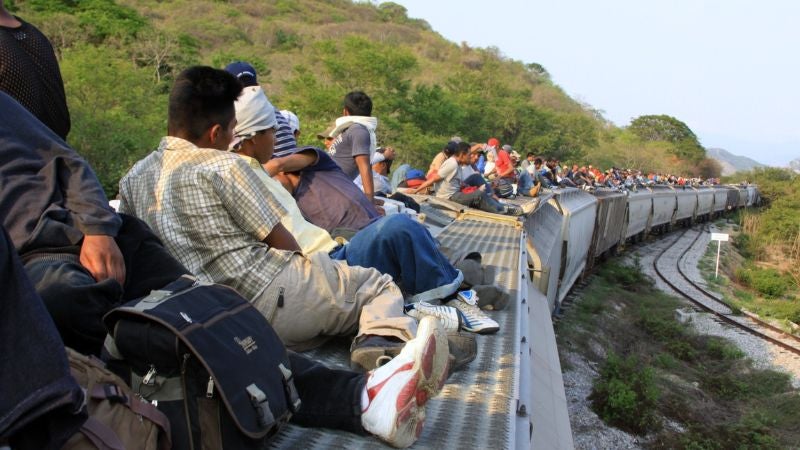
x: 29, y: 73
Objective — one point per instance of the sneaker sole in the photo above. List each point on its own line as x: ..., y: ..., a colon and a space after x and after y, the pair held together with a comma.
x: 490, y: 330
x: 431, y: 369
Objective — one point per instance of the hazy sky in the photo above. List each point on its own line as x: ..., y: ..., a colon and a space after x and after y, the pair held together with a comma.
x: 728, y: 68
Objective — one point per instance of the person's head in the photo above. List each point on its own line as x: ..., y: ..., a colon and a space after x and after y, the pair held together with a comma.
x: 530, y: 156
x: 474, y: 154
x: 537, y: 162
x: 379, y: 163
x: 244, y: 72
x: 254, y: 134
x: 326, y: 136
x: 493, y: 142
x: 357, y: 103
x: 450, y: 148
x: 462, y: 153
x: 508, y: 149
x: 201, y: 107
x: 294, y: 122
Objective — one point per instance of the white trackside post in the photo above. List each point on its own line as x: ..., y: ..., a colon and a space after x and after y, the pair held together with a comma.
x: 719, y: 237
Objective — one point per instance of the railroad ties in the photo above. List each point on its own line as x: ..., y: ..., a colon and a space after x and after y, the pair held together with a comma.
x: 668, y: 267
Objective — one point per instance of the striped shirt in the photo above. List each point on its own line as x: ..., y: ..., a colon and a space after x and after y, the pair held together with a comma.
x: 211, y: 210
x: 285, y: 144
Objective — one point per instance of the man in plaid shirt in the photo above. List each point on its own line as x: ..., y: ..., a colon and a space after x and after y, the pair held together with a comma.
x: 217, y: 218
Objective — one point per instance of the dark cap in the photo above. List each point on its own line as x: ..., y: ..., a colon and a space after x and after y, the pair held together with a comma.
x: 244, y: 72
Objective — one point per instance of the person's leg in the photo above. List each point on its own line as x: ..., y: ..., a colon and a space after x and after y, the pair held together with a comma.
x: 77, y: 302
x: 74, y: 299
x: 524, y: 184
x: 148, y: 264
x: 314, y: 296
x: 330, y: 398
x: 400, y: 247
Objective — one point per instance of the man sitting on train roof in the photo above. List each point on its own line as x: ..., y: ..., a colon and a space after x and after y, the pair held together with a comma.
x: 450, y: 185
x: 218, y: 218
x: 82, y: 257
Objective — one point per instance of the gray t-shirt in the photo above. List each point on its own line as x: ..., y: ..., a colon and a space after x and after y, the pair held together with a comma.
x: 450, y: 171
x: 353, y: 142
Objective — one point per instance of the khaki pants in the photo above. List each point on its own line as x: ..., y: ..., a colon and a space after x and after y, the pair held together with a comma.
x: 323, y: 297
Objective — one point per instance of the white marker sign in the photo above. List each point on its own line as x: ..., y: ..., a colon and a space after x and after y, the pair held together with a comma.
x: 720, y: 238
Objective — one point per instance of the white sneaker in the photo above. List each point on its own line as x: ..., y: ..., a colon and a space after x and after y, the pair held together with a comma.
x: 473, y: 319
x: 448, y: 315
x: 396, y: 392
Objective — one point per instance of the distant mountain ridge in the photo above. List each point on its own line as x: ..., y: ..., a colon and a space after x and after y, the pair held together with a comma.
x: 795, y: 165
x: 732, y: 163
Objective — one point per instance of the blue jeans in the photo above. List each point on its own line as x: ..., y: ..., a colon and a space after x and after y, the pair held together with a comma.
x: 524, y: 183
x: 400, y: 247
x: 479, y: 200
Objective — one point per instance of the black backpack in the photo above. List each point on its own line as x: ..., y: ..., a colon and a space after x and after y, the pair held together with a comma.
x: 206, y: 358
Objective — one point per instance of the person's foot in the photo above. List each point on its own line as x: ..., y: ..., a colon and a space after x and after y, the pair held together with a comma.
x: 448, y: 315
x: 396, y: 393
x: 535, y: 190
x: 513, y: 210
x: 368, y: 351
x: 491, y: 297
x: 463, y: 349
x: 473, y: 319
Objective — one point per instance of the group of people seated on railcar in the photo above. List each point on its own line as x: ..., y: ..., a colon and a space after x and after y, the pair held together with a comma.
x: 229, y: 197
x: 499, y: 172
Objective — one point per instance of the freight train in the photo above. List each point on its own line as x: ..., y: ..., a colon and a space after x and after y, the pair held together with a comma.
x: 512, y: 394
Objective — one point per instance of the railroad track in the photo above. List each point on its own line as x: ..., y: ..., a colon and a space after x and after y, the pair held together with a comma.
x: 708, y: 302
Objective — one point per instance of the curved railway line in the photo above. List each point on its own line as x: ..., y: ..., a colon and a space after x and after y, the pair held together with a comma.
x: 706, y: 301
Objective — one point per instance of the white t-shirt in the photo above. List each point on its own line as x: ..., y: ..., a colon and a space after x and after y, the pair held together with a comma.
x: 450, y: 172
x: 309, y: 237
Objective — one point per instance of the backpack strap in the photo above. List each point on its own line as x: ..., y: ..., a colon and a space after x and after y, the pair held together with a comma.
x: 110, y: 392
x: 103, y: 437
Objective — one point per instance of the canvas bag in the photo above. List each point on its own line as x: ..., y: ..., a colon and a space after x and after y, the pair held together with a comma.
x: 206, y: 358
x: 117, y: 418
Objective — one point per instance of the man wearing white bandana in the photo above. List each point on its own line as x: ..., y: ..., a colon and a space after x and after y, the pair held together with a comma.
x: 394, y: 245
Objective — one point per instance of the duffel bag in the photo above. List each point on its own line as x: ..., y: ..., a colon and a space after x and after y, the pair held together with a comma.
x: 204, y: 356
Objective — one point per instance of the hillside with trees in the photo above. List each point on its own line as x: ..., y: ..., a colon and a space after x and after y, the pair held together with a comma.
x: 119, y: 58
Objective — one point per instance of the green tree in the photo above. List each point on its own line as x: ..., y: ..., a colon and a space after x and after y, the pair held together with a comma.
x: 669, y: 129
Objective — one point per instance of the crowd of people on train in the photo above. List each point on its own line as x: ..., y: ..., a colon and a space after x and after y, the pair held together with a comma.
x: 305, y: 234
x: 228, y: 197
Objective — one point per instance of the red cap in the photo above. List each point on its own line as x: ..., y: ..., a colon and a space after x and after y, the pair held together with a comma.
x: 493, y: 142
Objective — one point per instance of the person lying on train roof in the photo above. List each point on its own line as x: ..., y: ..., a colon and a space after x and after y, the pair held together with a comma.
x: 380, y: 168
x: 450, y: 185
x: 218, y: 218
x: 81, y: 256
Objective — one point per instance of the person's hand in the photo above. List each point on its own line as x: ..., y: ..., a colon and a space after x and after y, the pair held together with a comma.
x: 102, y: 258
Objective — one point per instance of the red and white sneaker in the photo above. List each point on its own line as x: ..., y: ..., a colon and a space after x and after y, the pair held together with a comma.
x: 398, y: 391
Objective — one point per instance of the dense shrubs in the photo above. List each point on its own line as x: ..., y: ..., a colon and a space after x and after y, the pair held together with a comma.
x: 625, y: 394
x: 768, y: 282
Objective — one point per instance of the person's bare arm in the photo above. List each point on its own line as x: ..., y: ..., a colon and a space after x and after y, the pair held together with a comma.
x: 101, y: 256
x: 281, y: 239
x: 364, y: 169
x: 433, y: 179
x: 291, y: 163
x: 506, y: 172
